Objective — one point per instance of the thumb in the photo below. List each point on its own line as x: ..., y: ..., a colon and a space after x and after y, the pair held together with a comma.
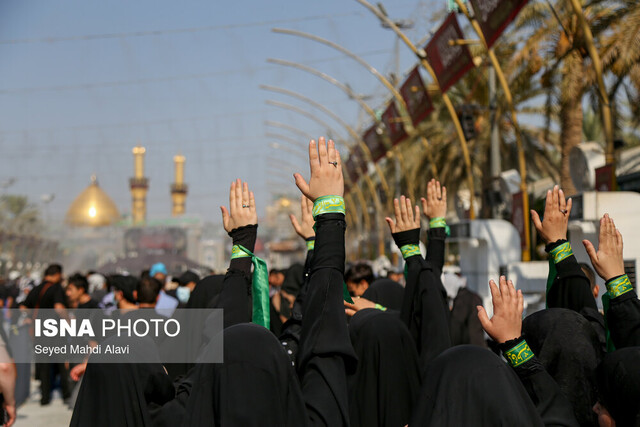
x: 536, y: 220
x: 392, y: 225
x: 484, y: 318
x: 424, y: 205
x: 302, y: 184
x: 294, y: 222
x: 225, y: 216
x: 591, y: 251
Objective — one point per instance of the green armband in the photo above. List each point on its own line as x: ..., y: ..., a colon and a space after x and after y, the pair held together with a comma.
x: 619, y: 286
x: 561, y: 252
x: 311, y: 244
x: 328, y: 204
x: 410, y: 250
x: 519, y: 354
x: 381, y: 307
x: 437, y: 222
x: 237, y: 252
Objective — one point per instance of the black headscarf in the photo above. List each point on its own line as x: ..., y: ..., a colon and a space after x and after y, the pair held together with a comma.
x: 385, y: 292
x: 293, y: 279
x: 205, y: 292
x: 619, y: 385
x: 569, y: 348
x: 385, y: 386
x: 470, y: 386
x: 256, y: 384
x: 122, y: 394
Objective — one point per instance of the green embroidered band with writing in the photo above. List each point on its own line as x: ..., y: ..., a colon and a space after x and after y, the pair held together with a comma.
x: 619, y: 286
x: 381, y: 307
x: 437, y: 222
x: 311, y: 244
x: 410, y: 250
x: 328, y: 204
x: 236, y: 252
x: 561, y: 252
x: 518, y: 354
x: 259, y: 286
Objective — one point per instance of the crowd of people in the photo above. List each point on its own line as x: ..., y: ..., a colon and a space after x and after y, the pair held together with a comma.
x: 328, y: 345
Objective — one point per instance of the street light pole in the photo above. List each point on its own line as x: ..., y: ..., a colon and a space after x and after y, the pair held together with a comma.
x: 526, y: 252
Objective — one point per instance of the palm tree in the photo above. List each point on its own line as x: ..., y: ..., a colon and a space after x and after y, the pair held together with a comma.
x: 18, y: 216
x: 567, y: 75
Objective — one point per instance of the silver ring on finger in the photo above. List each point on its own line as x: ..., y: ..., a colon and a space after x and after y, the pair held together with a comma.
x: 246, y: 206
x: 335, y: 164
x: 564, y: 211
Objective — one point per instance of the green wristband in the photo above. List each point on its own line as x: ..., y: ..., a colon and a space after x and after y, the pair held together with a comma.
x: 519, y: 354
x: 381, y: 307
x: 237, y: 252
x: 328, y: 204
x: 311, y: 244
x: 619, y: 286
x: 561, y: 252
x: 437, y: 222
x: 410, y: 250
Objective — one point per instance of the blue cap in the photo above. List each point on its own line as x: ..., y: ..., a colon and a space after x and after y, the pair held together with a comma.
x: 158, y: 268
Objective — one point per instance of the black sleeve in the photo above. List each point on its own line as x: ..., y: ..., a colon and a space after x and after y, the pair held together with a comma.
x: 571, y: 288
x: 424, y: 308
x: 325, y: 354
x: 58, y: 295
x: 435, y: 248
x: 32, y: 297
x: 554, y: 408
x: 623, y: 319
x: 292, y: 328
x: 235, y: 298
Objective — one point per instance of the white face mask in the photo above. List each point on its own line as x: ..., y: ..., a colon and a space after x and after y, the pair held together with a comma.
x: 182, y: 292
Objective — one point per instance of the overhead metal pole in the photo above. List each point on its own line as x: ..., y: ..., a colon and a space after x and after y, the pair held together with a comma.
x: 370, y: 111
x: 422, y: 55
x: 359, y: 194
x: 379, y: 206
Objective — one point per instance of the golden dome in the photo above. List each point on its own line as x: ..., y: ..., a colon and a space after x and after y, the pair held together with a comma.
x: 93, y: 207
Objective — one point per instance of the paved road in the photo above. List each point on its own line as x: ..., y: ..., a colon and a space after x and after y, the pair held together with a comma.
x: 31, y: 414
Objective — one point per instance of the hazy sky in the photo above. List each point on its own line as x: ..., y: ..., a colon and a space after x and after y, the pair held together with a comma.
x: 82, y: 82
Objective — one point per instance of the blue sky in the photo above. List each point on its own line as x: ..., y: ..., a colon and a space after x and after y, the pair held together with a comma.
x: 82, y: 82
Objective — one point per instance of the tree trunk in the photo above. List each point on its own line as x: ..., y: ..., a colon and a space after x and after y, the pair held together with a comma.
x: 570, y: 136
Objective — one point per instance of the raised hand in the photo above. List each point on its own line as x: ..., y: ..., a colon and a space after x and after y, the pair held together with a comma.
x: 556, y: 216
x: 506, y: 323
x: 435, y: 204
x: 242, y: 207
x: 304, y: 228
x: 359, y: 303
x: 607, y: 261
x: 326, y: 171
x: 405, y: 217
